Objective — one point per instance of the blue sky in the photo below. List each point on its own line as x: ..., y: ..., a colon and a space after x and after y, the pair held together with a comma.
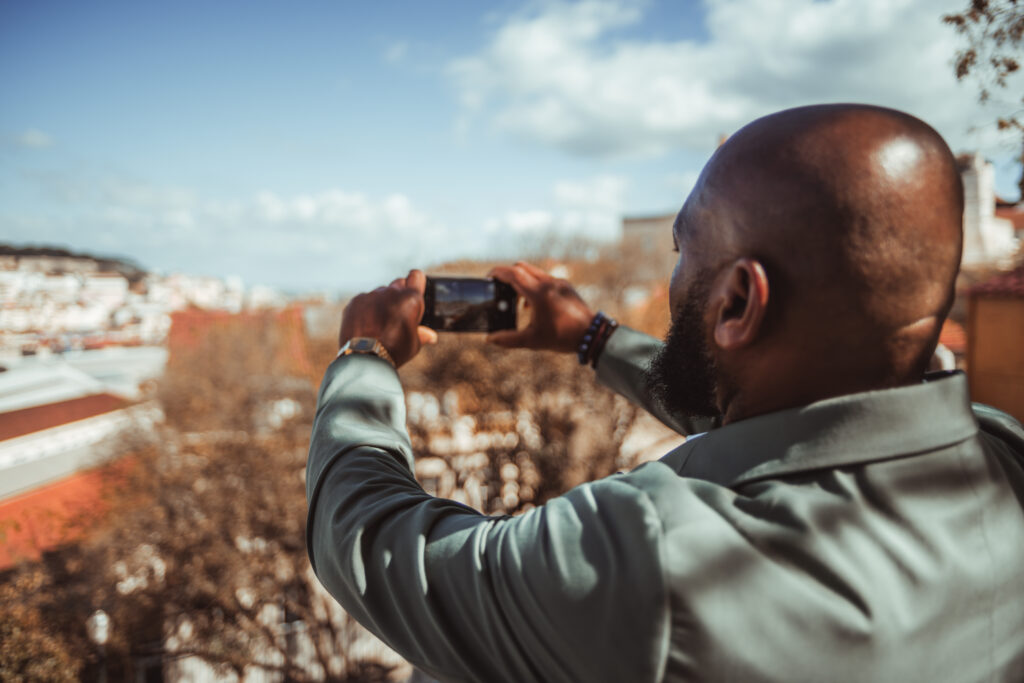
x: 330, y: 145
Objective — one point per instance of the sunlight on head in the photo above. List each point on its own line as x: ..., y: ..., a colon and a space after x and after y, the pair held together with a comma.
x: 898, y: 157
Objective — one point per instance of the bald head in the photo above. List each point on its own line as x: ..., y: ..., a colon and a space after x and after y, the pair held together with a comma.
x: 852, y: 200
x: 853, y: 213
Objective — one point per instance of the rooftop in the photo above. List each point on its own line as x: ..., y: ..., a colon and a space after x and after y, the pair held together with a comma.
x: 1010, y: 283
x: 53, y: 515
x: 37, y: 418
x: 953, y: 336
x: 44, y: 383
x: 1013, y: 213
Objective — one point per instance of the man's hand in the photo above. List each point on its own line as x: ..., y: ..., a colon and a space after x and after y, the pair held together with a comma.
x: 391, y: 315
x: 559, y: 317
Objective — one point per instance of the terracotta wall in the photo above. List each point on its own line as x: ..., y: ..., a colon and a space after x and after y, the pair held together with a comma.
x: 995, y: 353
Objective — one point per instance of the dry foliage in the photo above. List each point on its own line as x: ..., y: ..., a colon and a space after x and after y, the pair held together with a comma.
x: 31, y: 649
x: 994, y: 31
x: 203, y: 551
x: 562, y: 428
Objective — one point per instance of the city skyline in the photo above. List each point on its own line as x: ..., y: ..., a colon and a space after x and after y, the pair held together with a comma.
x: 331, y: 146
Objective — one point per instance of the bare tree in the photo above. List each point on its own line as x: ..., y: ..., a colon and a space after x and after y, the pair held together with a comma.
x: 994, y: 31
x: 202, y: 553
x: 31, y: 649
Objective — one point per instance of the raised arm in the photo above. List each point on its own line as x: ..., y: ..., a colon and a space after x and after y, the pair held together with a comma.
x: 464, y: 596
x: 558, y: 322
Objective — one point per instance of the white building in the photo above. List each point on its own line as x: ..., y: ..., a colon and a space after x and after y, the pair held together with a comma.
x: 109, y: 290
x: 58, y: 416
x: 988, y: 239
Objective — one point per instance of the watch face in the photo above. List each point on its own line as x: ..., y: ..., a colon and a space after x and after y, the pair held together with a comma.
x: 363, y: 345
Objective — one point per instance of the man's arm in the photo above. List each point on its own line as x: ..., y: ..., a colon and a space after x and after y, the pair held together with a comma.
x: 469, y: 597
x: 461, y: 595
x: 558, y: 322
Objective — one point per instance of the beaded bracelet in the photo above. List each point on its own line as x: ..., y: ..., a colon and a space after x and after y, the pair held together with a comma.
x: 594, y: 339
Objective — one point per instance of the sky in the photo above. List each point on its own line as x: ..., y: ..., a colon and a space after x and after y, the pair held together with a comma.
x: 330, y: 146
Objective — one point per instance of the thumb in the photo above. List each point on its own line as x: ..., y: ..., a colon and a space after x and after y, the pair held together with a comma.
x: 426, y: 335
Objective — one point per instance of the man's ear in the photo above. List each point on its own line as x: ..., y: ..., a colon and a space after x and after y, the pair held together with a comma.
x: 739, y: 299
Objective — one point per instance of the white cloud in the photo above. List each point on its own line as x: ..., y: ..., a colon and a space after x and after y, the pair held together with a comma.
x: 33, y: 139
x: 336, y: 208
x: 603, y: 193
x: 333, y: 238
x: 520, y: 222
x: 562, y: 77
x: 591, y: 207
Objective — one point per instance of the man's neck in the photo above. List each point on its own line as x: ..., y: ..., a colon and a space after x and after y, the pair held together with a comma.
x: 775, y: 393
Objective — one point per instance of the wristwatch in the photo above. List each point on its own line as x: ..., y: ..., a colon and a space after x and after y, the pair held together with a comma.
x: 366, y: 345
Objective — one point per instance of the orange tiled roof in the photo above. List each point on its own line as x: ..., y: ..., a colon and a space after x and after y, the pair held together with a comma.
x: 953, y: 336
x: 1004, y: 284
x: 1014, y: 214
x: 53, y: 515
x: 189, y: 327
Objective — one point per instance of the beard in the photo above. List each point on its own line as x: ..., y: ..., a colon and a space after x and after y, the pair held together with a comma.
x: 682, y: 375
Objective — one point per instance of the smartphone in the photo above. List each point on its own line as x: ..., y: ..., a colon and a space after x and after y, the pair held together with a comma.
x: 468, y: 304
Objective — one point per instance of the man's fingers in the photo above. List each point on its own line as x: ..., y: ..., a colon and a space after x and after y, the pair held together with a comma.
x: 505, y: 274
x: 536, y: 271
x: 513, y: 339
x: 521, y: 279
x: 416, y: 280
x: 502, y: 338
x: 397, y: 283
x: 426, y: 335
x: 527, y: 279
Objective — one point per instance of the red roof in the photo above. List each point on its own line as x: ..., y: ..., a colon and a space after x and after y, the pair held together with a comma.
x: 953, y: 336
x: 1014, y: 214
x: 37, y: 418
x: 1004, y: 284
x: 55, y: 514
x: 188, y: 329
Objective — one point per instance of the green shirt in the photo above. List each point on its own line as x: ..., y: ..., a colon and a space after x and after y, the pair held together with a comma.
x: 870, y: 537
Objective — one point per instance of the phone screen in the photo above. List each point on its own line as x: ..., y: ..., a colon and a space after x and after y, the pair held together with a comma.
x: 469, y: 305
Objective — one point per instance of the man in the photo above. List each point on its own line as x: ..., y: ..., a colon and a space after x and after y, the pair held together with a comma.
x: 848, y: 521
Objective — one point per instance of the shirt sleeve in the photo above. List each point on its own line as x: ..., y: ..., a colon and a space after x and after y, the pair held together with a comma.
x: 465, y: 596
x: 622, y: 366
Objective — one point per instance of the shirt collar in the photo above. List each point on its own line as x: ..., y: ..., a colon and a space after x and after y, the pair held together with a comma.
x: 836, y: 432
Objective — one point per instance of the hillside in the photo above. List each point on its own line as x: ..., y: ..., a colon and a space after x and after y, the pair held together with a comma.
x: 105, y: 264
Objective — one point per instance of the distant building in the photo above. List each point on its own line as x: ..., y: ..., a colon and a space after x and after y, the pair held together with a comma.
x: 189, y: 328
x: 109, y: 290
x: 995, y: 332
x: 651, y: 234
x: 1013, y: 212
x: 647, y: 243
x: 988, y: 239
x: 59, y: 420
